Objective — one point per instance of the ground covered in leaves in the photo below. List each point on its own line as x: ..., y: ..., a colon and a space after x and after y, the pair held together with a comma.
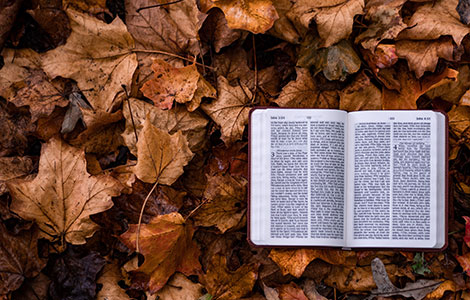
x: 123, y: 141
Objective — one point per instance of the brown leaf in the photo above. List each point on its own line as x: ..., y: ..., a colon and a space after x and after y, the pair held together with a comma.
x: 361, y: 94
x: 453, y: 91
x: 310, y: 290
x: 14, y: 167
x: 161, y: 156
x: 283, y: 27
x: 18, y: 258
x: 423, y: 56
x: 7, y: 20
x: 225, y: 284
x: 384, y: 20
x: 216, y: 31
x: 433, y: 20
x: 110, y: 276
x: 256, y: 16
x: 63, y: 195
x: 226, y: 206
x: 53, y: 21
x: 98, y: 56
x: 334, y: 18
x: 304, y: 92
x: 191, y: 124
x: 383, y: 56
x: 170, y: 84
x: 459, y: 121
x: 36, y: 288
x: 291, y: 292
x: 18, y: 65
x: 230, y: 110
x: 89, y: 6
x: 166, y: 243
x: 179, y: 288
x: 15, y: 126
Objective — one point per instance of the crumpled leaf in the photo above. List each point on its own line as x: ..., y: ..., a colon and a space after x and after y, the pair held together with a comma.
x: 166, y: 243
x: 215, y: 31
x: 416, y: 290
x: 361, y: 94
x: 63, y: 195
x: 226, y: 206
x: 423, y: 55
x: 256, y: 16
x: 18, y: 258
x: 179, y: 288
x: 225, y: 284
x: 433, y: 20
x: 230, y: 110
x: 110, y: 276
x: 304, y: 92
x: 291, y: 292
x: 382, y: 57
x: 466, y: 237
x: 161, y: 156
x: 464, y: 261
x: 98, y: 56
x: 192, y: 125
x: 283, y: 27
x: 183, y: 85
x: 334, y: 18
x: 453, y: 91
x: 384, y: 20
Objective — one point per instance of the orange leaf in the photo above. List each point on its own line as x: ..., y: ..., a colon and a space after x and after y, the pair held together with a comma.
x: 291, y: 292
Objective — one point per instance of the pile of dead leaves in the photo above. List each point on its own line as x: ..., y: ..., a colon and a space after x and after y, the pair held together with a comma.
x: 127, y: 117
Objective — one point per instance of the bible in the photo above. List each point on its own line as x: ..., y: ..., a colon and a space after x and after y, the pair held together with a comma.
x: 329, y: 178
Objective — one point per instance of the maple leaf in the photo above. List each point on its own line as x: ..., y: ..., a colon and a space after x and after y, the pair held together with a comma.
x: 98, y: 56
x: 361, y: 94
x: 230, y: 110
x: 161, y: 156
x: 192, y: 125
x: 110, y: 276
x: 18, y: 66
x: 304, y: 92
x: 256, y: 16
x: 166, y: 243
x: 18, y: 258
x: 433, y: 20
x: 423, y: 55
x: 183, y: 85
x: 334, y: 18
x: 226, y: 206
x: 291, y: 292
x: 63, y: 195
x: 224, y: 284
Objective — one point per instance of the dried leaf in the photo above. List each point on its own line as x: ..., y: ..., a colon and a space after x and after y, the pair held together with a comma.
x: 256, y: 16
x: 179, y: 288
x: 98, y: 56
x: 166, y: 243
x: 34, y: 289
x: 226, y: 206
x: 283, y: 27
x: 89, y: 6
x: 14, y: 167
x: 291, y: 292
x: 216, y: 31
x: 361, y: 94
x: 464, y: 261
x: 161, y: 156
x: 63, y: 195
x: 270, y: 293
x: 109, y: 278
x: 455, y: 90
x: 310, y: 290
x: 466, y: 238
x: 18, y: 65
x: 230, y: 110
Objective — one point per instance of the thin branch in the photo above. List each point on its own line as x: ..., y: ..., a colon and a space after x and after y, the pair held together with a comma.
x: 194, y: 210
x: 157, y: 5
x: 140, y: 216
x: 130, y: 111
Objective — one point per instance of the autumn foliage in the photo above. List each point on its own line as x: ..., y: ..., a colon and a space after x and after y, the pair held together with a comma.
x: 123, y: 142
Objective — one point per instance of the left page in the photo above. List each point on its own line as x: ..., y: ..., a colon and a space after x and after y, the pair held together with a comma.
x: 297, y: 177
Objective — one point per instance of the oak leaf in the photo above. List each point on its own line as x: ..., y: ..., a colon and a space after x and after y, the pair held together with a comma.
x: 225, y: 284
x: 256, y: 16
x: 183, y: 85
x: 63, y: 196
x: 18, y: 258
x: 230, y: 110
x: 192, y: 125
x: 110, y: 276
x: 226, y: 206
x: 334, y: 18
x: 361, y: 94
x: 179, y: 287
x: 423, y: 56
x: 98, y: 56
x: 304, y: 92
x: 433, y: 20
x: 161, y: 156
x: 166, y: 243
x: 291, y: 292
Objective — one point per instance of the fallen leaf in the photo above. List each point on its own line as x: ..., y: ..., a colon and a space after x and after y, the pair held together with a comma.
x: 464, y: 261
x: 225, y: 284
x: 166, y: 243
x: 110, y: 276
x: 459, y: 120
x: 256, y: 16
x: 466, y: 237
x: 230, y: 110
x: 453, y: 91
x: 161, y: 156
x: 63, y: 196
x: 9, y: 12
x: 304, y: 92
x: 179, y: 288
x: 90, y: 6
x: 215, y: 31
x: 385, y: 22
x: 361, y: 94
x: 15, y: 126
x: 270, y: 293
x: 291, y: 292
x: 98, y: 56
x: 423, y: 56
x: 283, y: 27
x: 226, y: 206
x: 18, y: 258
x: 14, y: 167
x: 382, y: 57
x: 36, y: 288
x: 433, y: 20
x: 310, y: 291
x: 462, y: 9
x: 438, y: 293
x: 192, y: 125
x: 334, y: 18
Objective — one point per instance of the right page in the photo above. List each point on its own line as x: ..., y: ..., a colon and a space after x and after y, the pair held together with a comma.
x: 395, y: 194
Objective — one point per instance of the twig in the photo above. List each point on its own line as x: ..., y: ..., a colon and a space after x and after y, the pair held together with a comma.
x: 157, y: 5
x: 194, y: 210
x: 140, y: 216
x: 130, y: 111
x: 169, y: 54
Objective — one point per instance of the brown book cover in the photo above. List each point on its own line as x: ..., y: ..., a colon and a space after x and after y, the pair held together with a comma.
x: 446, y: 130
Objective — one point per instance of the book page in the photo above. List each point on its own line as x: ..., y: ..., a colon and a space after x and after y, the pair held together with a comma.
x: 392, y: 179
x: 297, y: 192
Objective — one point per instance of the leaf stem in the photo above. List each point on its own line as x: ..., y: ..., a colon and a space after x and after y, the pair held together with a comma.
x: 157, y: 5
x: 140, y: 216
x: 170, y: 54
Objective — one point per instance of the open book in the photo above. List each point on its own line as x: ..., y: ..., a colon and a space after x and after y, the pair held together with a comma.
x: 374, y: 179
